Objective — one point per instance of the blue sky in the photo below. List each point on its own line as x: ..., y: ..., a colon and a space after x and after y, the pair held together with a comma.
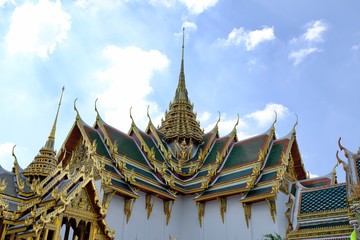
x: 241, y: 57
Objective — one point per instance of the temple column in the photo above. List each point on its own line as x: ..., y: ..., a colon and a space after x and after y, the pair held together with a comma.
x: 58, y: 222
x: 67, y: 230
x: 82, y: 231
x: 4, y: 229
x: 92, y: 231
x: 46, y: 233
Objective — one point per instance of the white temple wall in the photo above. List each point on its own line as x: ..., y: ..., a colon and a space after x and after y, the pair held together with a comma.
x: 213, y: 227
x: 261, y: 222
x: 189, y: 217
x: 115, y: 216
x: 236, y: 228
x: 184, y: 223
x: 141, y: 228
x: 281, y: 222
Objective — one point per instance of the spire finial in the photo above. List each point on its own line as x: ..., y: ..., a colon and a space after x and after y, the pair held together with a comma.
x: 181, y: 91
x: 183, y: 46
x: 51, y: 139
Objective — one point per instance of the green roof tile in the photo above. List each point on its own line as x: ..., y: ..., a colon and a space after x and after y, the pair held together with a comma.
x: 323, y: 199
x: 150, y: 143
x: 212, y: 191
x: 358, y: 166
x: 217, y: 147
x: 126, y: 145
x: 234, y: 175
x: 101, y: 149
x: 326, y: 224
x: 275, y: 154
x: 122, y: 185
x: 267, y: 176
x: 258, y: 191
x: 244, y: 152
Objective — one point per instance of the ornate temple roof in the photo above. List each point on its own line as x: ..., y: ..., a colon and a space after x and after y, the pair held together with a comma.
x: 180, y: 121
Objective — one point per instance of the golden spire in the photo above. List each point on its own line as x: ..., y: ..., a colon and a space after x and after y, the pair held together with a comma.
x: 51, y: 139
x: 180, y: 121
x: 181, y: 94
x: 45, y: 162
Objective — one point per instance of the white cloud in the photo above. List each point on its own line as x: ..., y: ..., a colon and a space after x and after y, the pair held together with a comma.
x: 266, y: 116
x: 315, y: 31
x: 308, y: 42
x: 226, y: 125
x: 194, y: 6
x: 38, y: 29
x: 251, y: 39
x: 198, y: 6
x: 189, y: 27
x: 127, y: 86
x: 96, y: 5
x: 246, y: 128
x: 5, y: 155
x: 166, y: 3
x: 204, y: 117
x: 355, y: 47
x: 299, y: 55
x: 3, y: 2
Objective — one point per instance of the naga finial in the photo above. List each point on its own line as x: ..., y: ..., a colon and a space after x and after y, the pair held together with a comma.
x: 131, y: 117
x: 75, y: 109
x: 96, y: 110
x: 340, y: 146
x: 147, y: 112
x: 13, y: 153
x: 217, y: 122
x: 297, y: 120
x: 276, y: 117
x: 238, y: 118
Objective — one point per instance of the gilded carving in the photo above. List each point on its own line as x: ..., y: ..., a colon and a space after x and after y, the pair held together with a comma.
x: 129, y: 175
x: 272, y: 207
x: 149, y: 204
x: 183, y: 150
x: 256, y: 170
x: 212, y: 170
x: 201, y: 211
x: 261, y: 155
x: 250, y: 183
x: 3, y: 204
x: 205, y: 182
x: 82, y: 202
x: 128, y: 207
x: 167, y: 210
x: 275, y: 186
x: 169, y: 180
x: 247, y: 213
x: 222, y: 206
x: 3, y: 185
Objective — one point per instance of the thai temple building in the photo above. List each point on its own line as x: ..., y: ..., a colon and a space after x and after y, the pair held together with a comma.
x: 174, y: 181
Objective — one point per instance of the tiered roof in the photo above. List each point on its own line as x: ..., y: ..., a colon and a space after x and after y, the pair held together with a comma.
x: 180, y: 121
